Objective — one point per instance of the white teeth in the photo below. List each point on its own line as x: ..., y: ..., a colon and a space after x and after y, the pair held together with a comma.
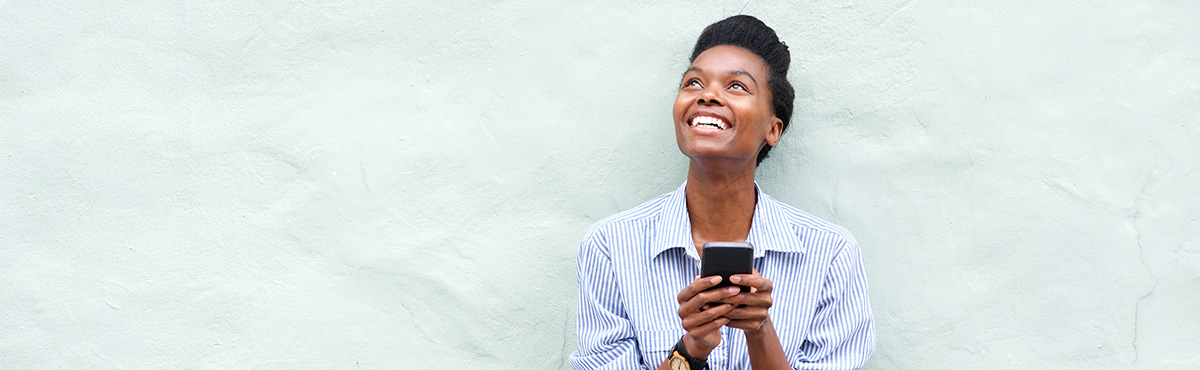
x: 710, y: 121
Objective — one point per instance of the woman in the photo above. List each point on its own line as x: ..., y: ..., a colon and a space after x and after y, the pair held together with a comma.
x: 641, y: 304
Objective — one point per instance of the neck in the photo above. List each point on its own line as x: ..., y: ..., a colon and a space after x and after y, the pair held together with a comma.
x: 720, y: 203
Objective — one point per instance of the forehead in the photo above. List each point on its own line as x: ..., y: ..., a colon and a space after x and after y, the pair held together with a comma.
x: 727, y: 58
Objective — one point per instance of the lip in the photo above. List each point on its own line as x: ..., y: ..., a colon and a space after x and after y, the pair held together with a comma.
x: 688, y: 121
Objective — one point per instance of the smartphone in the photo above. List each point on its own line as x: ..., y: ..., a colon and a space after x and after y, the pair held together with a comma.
x: 727, y: 259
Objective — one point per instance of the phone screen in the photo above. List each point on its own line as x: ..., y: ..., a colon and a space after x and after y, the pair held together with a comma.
x: 726, y: 259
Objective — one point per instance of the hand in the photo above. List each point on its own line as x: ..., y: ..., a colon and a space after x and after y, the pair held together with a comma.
x: 703, y: 325
x: 750, y: 310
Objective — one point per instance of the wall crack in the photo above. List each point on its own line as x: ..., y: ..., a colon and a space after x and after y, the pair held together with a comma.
x: 1137, y: 306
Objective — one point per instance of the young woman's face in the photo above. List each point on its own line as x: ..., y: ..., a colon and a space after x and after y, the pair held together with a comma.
x: 723, y: 110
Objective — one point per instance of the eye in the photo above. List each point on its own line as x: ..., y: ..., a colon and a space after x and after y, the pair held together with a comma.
x: 738, y: 85
x: 692, y: 83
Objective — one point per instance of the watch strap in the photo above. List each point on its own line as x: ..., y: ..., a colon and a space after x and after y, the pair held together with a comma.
x: 693, y: 363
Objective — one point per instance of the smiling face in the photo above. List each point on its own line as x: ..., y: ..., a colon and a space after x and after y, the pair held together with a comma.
x: 723, y: 109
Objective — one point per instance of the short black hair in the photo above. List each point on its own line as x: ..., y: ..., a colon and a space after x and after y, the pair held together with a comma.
x: 749, y: 33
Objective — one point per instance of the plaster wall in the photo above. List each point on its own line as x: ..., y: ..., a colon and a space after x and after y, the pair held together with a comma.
x: 381, y: 185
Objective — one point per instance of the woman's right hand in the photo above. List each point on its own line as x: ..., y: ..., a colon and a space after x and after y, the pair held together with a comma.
x: 701, y: 314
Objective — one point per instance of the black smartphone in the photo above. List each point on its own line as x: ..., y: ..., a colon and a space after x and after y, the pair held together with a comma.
x: 727, y: 259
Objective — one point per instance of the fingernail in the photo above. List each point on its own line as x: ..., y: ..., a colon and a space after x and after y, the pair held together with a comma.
x: 735, y: 279
x: 715, y: 279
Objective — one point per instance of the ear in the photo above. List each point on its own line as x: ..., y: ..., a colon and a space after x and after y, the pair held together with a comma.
x: 776, y: 131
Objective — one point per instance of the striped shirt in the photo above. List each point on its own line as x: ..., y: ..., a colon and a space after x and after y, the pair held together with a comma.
x: 633, y: 264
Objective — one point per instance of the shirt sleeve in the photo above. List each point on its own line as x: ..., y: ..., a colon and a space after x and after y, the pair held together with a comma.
x: 843, y: 332
x: 606, y: 337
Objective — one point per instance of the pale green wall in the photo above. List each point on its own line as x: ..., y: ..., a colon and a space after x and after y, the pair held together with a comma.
x: 316, y: 184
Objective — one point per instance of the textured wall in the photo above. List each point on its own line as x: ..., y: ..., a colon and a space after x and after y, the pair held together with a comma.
x: 284, y: 185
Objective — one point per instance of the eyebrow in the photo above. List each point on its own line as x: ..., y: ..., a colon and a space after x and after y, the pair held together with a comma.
x: 733, y: 72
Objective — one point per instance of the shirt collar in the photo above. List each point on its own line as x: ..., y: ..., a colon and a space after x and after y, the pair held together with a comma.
x: 769, y: 229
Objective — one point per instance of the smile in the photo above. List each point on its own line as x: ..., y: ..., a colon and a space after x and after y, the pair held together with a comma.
x: 708, y: 121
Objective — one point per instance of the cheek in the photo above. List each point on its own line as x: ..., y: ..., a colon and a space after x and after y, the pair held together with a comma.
x: 752, y: 114
x: 680, y: 107
x: 756, y: 125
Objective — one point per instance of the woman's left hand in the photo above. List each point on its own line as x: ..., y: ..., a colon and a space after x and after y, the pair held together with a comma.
x: 751, y: 308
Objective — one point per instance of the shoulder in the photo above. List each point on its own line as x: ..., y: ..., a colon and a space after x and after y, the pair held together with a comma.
x: 814, y: 229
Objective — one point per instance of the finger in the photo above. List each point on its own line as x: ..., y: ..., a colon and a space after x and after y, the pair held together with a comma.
x: 749, y: 299
x: 696, y: 301
x: 746, y: 313
x: 717, y: 294
x: 755, y: 281
x: 701, y: 318
x: 697, y: 286
x: 708, y: 328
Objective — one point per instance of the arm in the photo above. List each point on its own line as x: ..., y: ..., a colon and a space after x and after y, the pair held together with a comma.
x: 701, y: 316
x: 606, y: 337
x: 762, y: 342
x: 842, y: 335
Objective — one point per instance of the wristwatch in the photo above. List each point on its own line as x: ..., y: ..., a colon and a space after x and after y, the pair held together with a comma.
x: 681, y: 360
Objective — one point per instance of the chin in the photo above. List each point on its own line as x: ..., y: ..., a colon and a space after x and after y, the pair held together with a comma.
x: 705, y: 152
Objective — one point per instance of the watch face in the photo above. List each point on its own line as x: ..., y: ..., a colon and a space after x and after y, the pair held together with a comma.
x: 678, y: 363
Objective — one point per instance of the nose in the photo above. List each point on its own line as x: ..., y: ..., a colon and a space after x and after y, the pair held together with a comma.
x: 709, y: 97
